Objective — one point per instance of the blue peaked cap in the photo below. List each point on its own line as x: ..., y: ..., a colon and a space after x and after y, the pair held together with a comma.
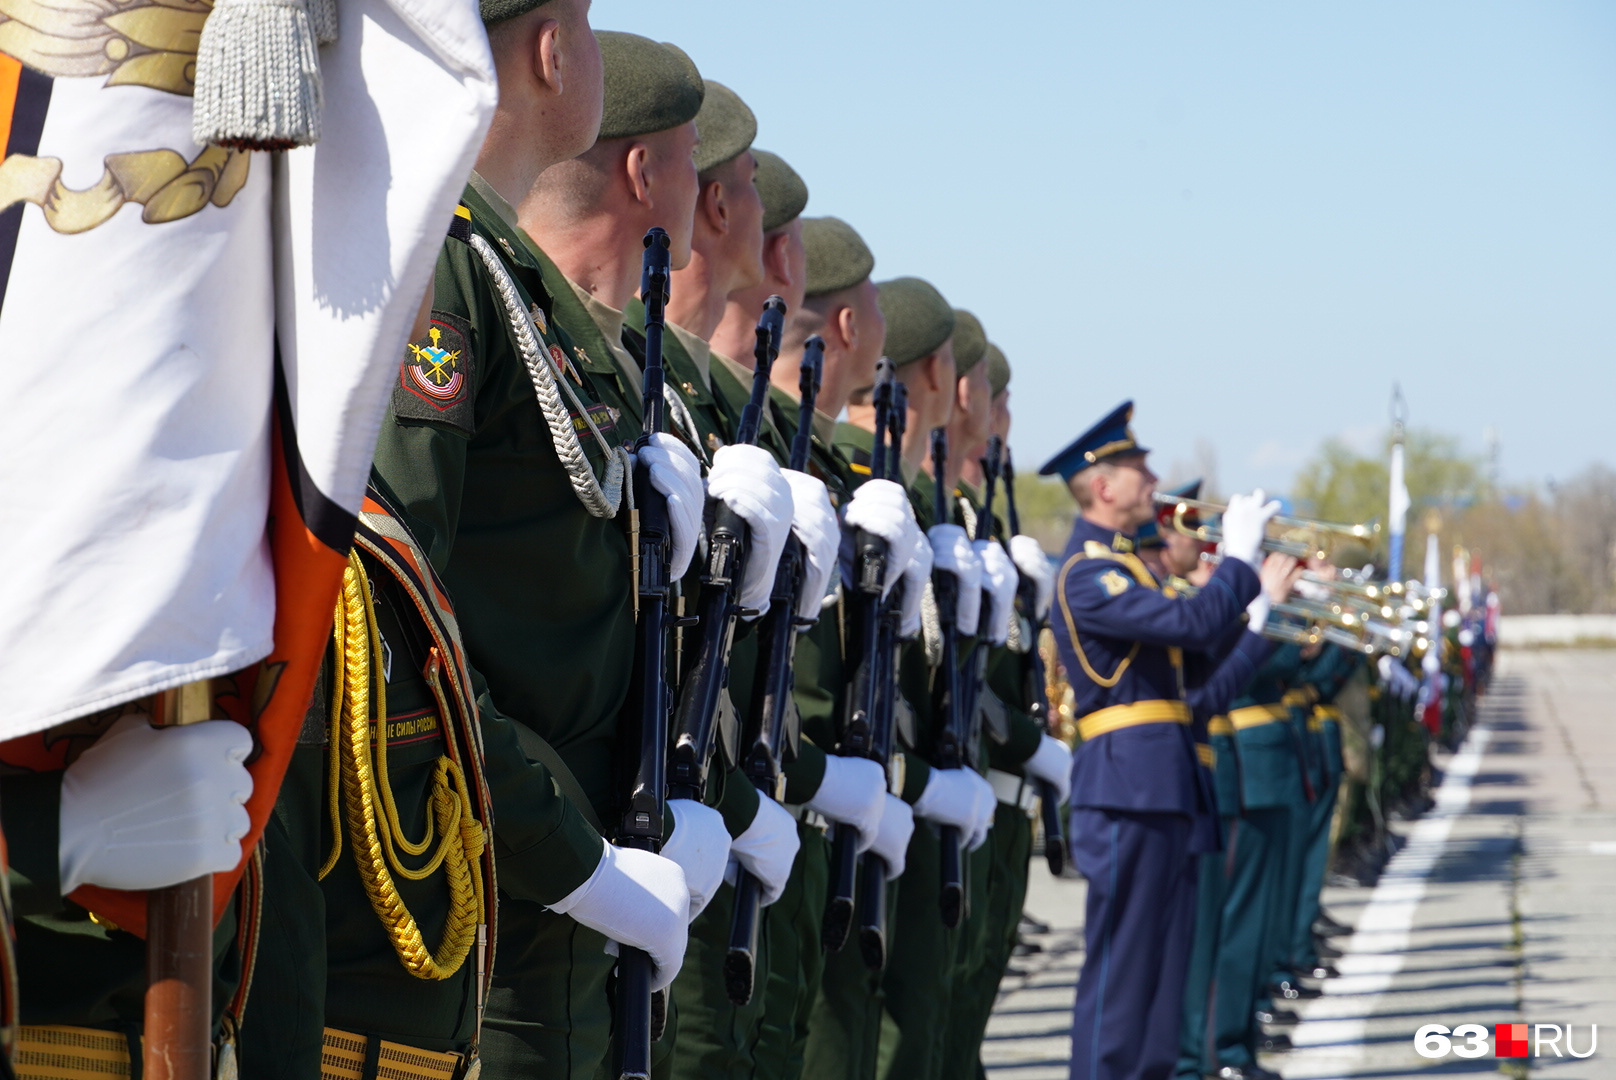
x: 1109, y: 438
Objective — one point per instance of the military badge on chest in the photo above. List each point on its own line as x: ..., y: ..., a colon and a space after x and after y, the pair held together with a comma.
x: 435, y: 377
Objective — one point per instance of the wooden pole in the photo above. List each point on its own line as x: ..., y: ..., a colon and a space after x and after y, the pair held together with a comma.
x: 179, y: 948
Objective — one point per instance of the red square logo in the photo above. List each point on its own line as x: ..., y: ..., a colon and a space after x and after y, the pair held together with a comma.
x: 1509, y: 1040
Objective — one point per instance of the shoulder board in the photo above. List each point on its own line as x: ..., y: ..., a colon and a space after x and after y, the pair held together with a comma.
x: 460, y: 224
x: 1093, y: 549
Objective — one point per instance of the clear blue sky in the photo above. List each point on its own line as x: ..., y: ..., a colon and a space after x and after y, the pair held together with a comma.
x: 1250, y: 217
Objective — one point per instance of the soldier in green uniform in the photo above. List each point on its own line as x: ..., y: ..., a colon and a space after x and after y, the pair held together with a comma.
x: 1017, y: 752
x: 841, y: 1035
x: 509, y: 473
x: 820, y: 790
x: 920, y: 328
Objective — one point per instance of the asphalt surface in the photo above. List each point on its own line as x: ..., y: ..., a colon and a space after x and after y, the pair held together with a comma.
x: 1499, y: 907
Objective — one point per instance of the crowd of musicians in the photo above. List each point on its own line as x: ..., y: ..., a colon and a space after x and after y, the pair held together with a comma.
x: 686, y: 710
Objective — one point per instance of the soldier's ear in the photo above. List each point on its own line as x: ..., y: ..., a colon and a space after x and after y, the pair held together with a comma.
x: 547, y: 58
x: 777, y: 258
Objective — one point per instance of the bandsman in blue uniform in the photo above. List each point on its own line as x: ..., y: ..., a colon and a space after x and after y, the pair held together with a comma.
x: 1131, y: 652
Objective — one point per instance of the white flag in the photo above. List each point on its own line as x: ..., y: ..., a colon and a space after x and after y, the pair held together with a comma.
x: 147, y: 282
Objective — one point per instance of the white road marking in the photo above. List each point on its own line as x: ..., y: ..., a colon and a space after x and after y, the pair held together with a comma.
x: 1330, y: 1035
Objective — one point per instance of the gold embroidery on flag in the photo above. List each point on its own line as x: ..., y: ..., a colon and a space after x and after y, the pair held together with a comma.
x: 150, y: 44
x: 162, y: 181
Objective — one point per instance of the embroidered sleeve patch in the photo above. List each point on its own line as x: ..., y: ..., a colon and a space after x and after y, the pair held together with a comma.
x: 435, y: 377
x: 1114, y: 582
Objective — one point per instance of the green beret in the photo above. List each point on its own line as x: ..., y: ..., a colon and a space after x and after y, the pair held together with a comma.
x: 970, y: 340
x: 782, y: 190
x: 726, y: 126
x: 998, y: 369
x: 499, y: 10
x: 650, y: 86
x: 919, y: 320
x: 838, y: 257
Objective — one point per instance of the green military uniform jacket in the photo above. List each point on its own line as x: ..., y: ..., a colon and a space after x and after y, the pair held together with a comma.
x: 537, y: 580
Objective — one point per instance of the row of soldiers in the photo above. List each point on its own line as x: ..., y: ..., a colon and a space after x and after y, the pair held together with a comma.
x: 635, y: 642
x: 1211, y: 682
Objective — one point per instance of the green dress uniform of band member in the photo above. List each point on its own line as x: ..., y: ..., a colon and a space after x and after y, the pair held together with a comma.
x: 1327, y: 674
x: 536, y: 555
x: 1271, y: 788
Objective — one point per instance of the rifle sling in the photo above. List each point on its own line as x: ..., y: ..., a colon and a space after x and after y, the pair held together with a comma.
x: 534, y: 746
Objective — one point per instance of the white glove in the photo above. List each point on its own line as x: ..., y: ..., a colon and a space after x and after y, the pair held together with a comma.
x: 677, y: 474
x: 1051, y: 762
x: 639, y: 899
x: 700, y: 845
x: 748, y: 480
x: 986, y: 804
x: 892, y: 838
x: 1244, y: 523
x: 851, y: 793
x: 1313, y: 590
x: 961, y: 798
x: 813, y: 520
x: 148, y: 807
x: 916, y: 575
x: 766, y: 849
x: 999, y: 580
x: 882, y: 507
x: 951, y: 553
x: 1257, y: 612
x: 1031, y: 562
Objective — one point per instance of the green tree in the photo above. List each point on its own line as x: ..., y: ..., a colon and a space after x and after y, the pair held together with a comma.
x: 1341, y: 485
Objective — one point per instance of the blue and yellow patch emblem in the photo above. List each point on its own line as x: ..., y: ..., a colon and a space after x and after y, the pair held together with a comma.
x: 435, y: 378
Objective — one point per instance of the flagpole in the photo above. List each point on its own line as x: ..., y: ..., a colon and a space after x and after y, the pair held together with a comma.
x: 179, y: 947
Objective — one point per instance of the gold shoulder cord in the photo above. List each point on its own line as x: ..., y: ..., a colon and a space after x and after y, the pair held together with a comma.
x: 1077, y: 644
x: 1136, y: 566
x: 359, y: 783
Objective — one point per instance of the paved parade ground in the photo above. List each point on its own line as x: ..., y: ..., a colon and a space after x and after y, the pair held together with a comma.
x: 1500, y: 907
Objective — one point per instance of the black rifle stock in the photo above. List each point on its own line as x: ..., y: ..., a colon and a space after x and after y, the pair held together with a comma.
x: 765, y: 732
x: 872, y: 881
x: 857, y: 733
x: 1037, y: 693
x: 977, y: 664
x: 696, y: 716
x: 949, y: 752
x: 641, y: 823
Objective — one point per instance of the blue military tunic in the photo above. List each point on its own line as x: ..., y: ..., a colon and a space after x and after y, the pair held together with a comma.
x: 1132, y: 653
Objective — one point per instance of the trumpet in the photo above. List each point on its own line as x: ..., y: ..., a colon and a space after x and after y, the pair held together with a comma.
x: 1302, y: 539
x: 1303, y: 622
x: 1368, y: 635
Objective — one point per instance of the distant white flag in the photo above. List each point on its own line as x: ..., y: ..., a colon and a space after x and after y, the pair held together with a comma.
x: 210, y: 336
x: 1397, y: 511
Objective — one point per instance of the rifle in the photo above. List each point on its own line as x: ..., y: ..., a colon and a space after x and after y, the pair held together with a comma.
x: 641, y: 823
x: 977, y: 663
x: 950, y: 744
x: 872, y: 884
x: 700, y: 700
x: 1036, y: 688
x: 870, y: 557
x: 765, y: 734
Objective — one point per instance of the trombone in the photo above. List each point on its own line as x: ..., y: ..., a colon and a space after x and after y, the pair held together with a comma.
x: 1292, y: 543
